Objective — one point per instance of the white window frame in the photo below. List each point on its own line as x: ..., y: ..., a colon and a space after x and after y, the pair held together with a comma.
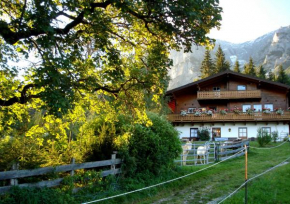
x: 258, y: 109
x: 266, y: 129
x: 193, y: 133
x: 242, y: 132
x: 245, y: 107
x: 241, y: 87
x: 191, y: 110
x: 269, y: 105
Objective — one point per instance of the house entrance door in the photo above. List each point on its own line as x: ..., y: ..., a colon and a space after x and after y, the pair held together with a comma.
x: 216, y: 132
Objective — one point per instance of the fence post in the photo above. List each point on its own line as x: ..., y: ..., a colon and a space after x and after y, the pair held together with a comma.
x: 15, y: 166
x: 194, y: 154
x: 217, y: 152
x: 113, y: 158
x: 73, y: 160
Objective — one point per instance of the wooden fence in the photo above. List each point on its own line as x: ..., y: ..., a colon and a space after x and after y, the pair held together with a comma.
x: 14, y: 175
x: 229, y: 148
x: 217, y: 151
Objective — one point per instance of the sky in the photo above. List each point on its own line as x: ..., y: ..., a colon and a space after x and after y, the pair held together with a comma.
x: 245, y: 20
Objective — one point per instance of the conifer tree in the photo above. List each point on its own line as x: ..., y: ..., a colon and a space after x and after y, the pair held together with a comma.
x: 271, y: 76
x: 244, y: 68
x: 207, y: 66
x: 250, y: 68
x: 220, y: 62
x: 261, y: 73
x: 282, y: 76
x: 237, y: 67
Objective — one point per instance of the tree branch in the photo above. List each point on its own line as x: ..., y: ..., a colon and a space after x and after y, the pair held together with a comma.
x: 22, y: 99
x: 12, y: 37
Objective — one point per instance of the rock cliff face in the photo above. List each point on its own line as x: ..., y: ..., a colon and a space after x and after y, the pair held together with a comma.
x: 270, y: 50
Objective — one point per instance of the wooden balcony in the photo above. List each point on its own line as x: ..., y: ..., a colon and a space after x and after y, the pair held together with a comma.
x: 202, y: 95
x: 231, y: 117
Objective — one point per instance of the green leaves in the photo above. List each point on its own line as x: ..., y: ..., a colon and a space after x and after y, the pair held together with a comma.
x: 117, y: 48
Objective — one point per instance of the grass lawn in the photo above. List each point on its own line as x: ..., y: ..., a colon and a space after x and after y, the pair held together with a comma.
x: 212, y: 185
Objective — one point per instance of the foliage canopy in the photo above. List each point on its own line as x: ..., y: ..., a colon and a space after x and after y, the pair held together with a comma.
x: 116, y: 49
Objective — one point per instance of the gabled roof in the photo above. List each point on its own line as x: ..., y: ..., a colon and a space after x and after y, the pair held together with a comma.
x: 229, y: 73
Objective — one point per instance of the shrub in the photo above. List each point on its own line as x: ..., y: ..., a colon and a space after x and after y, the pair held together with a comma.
x: 36, y: 195
x: 151, y: 149
x: 263, y: 137
x: 275, y: 136
x: 203, y: 134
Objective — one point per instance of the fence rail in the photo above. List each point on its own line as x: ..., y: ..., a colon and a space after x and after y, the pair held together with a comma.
x: 16, y: 174
x: 229, y: 148
x: 217, y: 151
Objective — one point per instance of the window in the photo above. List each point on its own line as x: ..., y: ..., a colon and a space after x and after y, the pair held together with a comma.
x: 216, y: 88
x: 193, y: 132
x: 245, y: 107
x: 241, y: 87
x: 191, y: 110
x: 243, y: 133
x: 269, y: 106
x: 216, y: 132
x: 266, y: 130
x: 258, y: 107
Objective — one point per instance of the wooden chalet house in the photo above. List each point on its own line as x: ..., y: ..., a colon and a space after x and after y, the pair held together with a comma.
x: 230, y: 105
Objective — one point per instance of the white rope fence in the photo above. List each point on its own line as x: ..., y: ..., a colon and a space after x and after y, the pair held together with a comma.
x: 274, y: 167
x: 162, y: 183
x: 269, y: 147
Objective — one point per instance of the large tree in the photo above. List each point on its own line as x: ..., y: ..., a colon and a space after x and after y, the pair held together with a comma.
x: 221, y: 64
x: 115, y: 49
x: 207, y: 66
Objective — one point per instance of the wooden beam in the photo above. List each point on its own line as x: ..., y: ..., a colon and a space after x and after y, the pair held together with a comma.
x: 40, y: 171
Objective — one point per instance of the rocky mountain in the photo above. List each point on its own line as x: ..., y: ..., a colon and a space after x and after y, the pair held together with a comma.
x: 270, y: 50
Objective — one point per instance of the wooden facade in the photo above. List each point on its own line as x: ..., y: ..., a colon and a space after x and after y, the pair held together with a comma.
x: 202, y: 102
x: 204, y: 95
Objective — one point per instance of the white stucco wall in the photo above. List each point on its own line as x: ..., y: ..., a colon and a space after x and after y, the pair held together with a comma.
x: 251, y: 128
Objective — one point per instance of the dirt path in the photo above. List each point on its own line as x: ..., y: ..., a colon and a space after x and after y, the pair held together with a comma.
x: 190, y: 195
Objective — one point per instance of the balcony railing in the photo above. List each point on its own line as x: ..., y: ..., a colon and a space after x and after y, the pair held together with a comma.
x: 217, y: 117
x: 201, y: 95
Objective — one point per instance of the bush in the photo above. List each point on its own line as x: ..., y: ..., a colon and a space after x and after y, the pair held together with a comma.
x: 151, y: 150
x: 203, y: 134
x: 36, y: 195
x: 275, y: 136
x: 263, y: 137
